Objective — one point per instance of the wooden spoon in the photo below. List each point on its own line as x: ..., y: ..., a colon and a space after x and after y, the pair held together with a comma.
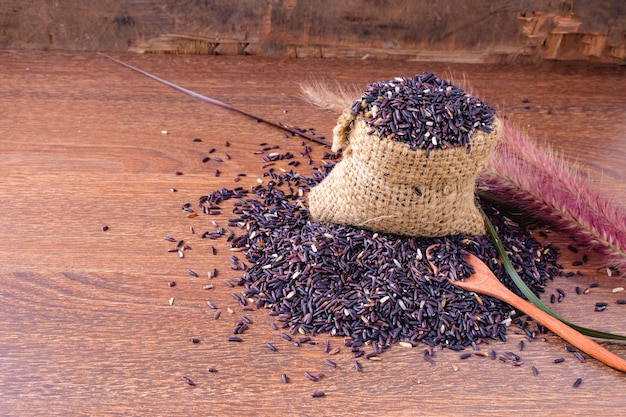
x: 483, y: 281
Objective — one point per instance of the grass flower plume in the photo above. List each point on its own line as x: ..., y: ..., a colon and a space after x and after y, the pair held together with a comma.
x: 539, y: 182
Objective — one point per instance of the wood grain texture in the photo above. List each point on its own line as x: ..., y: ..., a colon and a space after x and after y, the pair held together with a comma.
x: 483, y: 31
x: 85, y: 322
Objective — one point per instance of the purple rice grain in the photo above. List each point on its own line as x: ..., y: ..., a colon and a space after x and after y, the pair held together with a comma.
x: 318, y: 394
x: 311, y: 377
x: 559, y: 360
x: 334, y: 351
x: 357, y: 366
x: 535, y: 370
x: 240, y: 328
x: 271, y: 347
x: 330, y: 363
x: 511, y: 356
x: 235, y: 339
x: 577, y: 383
x: 187, y: 380
x: 326, y: 346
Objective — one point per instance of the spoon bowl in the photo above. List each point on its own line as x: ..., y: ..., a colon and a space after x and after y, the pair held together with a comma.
x: 483, y: 281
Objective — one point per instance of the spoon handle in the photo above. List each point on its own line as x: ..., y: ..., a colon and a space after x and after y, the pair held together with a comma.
x: 577, y: 339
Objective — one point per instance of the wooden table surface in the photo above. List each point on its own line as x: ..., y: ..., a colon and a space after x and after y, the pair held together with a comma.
x: 86, y: 325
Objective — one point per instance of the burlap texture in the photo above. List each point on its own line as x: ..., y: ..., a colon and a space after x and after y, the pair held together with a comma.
x: 373, y: 186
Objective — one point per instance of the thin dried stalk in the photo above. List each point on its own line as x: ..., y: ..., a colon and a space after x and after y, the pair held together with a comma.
x: 527, y: 176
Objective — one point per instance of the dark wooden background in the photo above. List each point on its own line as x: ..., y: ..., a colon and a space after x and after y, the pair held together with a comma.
x: 85, y: 322
x: 479, y: 31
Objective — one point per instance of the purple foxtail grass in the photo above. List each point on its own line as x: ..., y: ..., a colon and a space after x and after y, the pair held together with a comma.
x: 529, y: 177
x: 535, y: 179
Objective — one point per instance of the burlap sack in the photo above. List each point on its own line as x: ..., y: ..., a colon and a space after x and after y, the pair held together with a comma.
x: 377, y: 184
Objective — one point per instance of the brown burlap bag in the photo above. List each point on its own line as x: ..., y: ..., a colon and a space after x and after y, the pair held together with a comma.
x: 384, y: 186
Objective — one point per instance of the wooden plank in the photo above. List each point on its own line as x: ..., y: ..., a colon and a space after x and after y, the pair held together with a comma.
x: 464, y: 31
x: 84, y: 313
